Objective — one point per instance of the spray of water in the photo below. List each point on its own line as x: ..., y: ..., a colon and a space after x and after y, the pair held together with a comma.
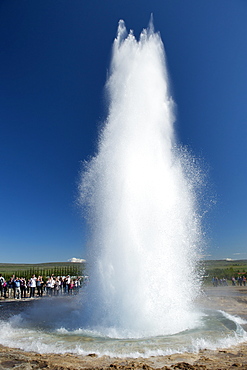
x: 140, y: 197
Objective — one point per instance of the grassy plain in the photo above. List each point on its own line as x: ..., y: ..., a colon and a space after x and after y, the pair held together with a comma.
x: 44, y: 269
x: 220, y: 268
x: 224, y: 268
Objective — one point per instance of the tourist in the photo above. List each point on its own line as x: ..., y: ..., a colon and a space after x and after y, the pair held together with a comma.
x: 39, y: 285
x: 67, y: 283
x: 10, y: 288
x: 2, y: 281
x: 23, y: 287
x: 5, y: 287
x: 49, y: 284
x: 244, y: 280
x: 56, y: 286
x: 224, y: 281
x: 215, y: 281
x: 32, y: 286
x: 70, y: 287
x: 76, y: 286
x: 240, y: 280
x: 52, y: 285
x: 17, y: 288
x: 64, y: 285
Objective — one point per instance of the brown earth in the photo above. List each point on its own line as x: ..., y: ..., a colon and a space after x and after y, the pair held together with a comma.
x: 230, y: 299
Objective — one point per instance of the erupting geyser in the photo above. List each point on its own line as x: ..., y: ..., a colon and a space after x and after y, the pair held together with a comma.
x: 140, y: 197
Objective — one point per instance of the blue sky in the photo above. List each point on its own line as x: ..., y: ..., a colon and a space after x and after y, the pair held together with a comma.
x: 54, y: 57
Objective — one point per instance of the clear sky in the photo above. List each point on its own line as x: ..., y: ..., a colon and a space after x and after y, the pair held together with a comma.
x: 54, y: 57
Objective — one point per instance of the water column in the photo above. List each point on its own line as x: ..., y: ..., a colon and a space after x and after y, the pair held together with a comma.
x: 139, y: 196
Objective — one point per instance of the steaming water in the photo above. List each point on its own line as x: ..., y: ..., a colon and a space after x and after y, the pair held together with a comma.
x: 140, y: 194
x: 140, y: 197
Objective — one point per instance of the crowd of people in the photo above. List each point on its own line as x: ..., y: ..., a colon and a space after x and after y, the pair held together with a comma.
x: 239, y: 281
x: 21, y: 288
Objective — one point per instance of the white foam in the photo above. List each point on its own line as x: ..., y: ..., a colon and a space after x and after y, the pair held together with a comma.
x: 234, y: 318
x: 84, y: 342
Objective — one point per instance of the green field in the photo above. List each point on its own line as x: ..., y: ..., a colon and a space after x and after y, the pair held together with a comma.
x: 44, y: 269
x: 211, y: 268
x: 224, y: 269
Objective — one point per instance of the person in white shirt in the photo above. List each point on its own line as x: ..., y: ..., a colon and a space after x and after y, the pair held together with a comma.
x: 32, y: 286
x: 2, y: 281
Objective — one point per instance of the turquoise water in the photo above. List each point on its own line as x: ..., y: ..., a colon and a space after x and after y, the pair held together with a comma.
x: 34, y: 331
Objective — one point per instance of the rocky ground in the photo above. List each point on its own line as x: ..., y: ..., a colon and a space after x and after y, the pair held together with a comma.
x: 230, y: 299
